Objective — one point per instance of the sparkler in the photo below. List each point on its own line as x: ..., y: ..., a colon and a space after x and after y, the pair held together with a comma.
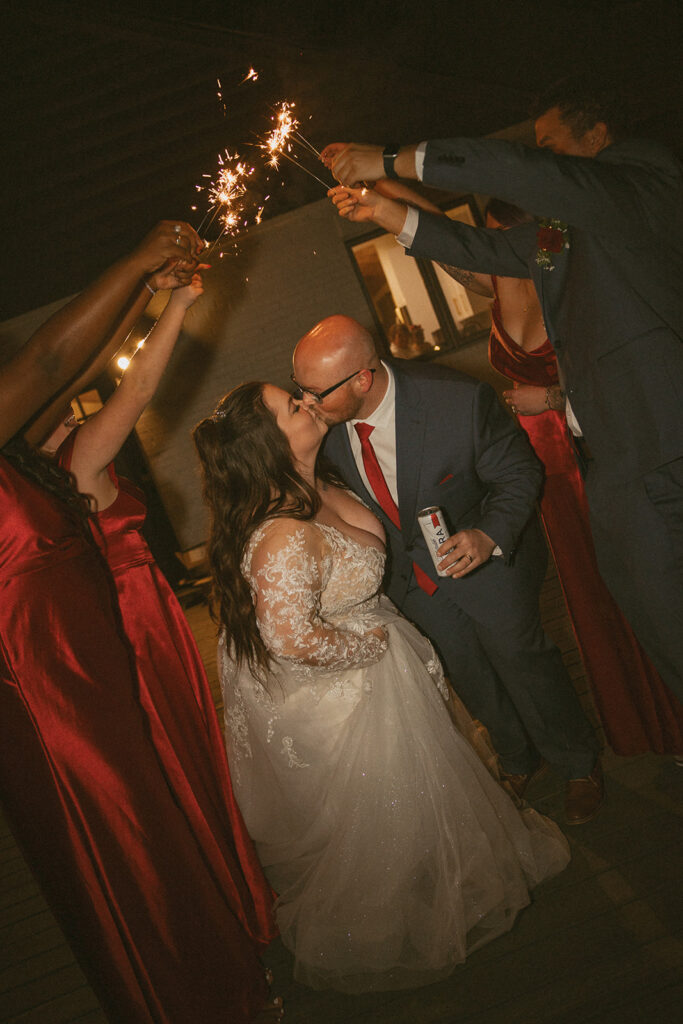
x: 284, y: 136
x: 226, y: 194
x: 219, y: 93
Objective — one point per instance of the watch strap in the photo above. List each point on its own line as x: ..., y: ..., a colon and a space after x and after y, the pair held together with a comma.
x: 388, y: 156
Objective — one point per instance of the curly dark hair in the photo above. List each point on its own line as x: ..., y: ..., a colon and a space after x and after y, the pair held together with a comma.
x: 583, y: 100
x: 248, y: 476
x: 43, y: 470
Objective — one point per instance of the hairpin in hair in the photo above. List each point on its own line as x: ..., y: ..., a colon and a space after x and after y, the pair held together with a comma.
x: 219, y: 414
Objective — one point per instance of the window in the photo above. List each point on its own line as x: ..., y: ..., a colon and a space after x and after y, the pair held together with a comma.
x: 86, y: 405
x: 421, y: 310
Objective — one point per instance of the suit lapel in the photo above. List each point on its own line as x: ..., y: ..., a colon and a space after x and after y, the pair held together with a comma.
x: 338, y: 449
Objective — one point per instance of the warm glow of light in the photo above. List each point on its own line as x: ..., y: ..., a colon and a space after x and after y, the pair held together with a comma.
x: 227, y: 191
x: 123, y: 363
x: 141, y: 343
x: 285, y: 124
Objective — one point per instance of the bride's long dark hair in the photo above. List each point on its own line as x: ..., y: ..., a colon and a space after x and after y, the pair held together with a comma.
x: 249, y: 475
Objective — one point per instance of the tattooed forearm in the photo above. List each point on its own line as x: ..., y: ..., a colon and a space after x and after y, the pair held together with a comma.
x: 555, y: 398
x: 468, y: 279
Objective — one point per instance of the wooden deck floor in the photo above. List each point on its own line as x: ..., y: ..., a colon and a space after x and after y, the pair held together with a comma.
x: 601, y: 944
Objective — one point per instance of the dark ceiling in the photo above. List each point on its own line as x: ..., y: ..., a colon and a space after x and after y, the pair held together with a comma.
x: 112, y: 114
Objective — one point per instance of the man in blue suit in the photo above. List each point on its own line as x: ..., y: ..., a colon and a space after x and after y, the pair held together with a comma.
x: 405, y: 437
x: 606, y: 257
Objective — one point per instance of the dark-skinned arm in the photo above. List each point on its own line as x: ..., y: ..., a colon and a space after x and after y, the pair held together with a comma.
x: 53, y: 357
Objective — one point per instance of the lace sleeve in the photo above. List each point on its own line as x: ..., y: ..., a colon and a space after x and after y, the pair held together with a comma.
x: 287, y: 571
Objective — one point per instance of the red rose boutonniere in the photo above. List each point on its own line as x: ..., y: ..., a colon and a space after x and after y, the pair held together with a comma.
x: 552, y: 237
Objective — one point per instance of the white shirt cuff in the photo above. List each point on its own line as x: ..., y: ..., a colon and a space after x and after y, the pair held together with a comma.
x: 409, y: 229
x: 420, y: 160
x: 572, y: 421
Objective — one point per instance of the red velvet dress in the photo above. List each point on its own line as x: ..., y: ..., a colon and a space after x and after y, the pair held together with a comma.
x: 639, y: 713
x: 176, y: 696
x: 89, y: 802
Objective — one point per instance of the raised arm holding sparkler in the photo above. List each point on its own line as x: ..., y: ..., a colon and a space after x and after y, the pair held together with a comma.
x: 174, y: 273
x: 48, y: 363
x: 353, y: 163
x: 99, y: 440
x: 354, y: 166
x: 368, y: 204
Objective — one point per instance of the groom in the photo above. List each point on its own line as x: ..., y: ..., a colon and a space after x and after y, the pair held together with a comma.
x: 440, y: 438
x: 607, y: 260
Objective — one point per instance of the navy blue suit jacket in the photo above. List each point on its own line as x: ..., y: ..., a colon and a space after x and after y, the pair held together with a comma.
x: 456, y: 448
x: 613, y: 304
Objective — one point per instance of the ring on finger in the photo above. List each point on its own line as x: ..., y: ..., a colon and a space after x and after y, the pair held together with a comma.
x: 513, y: 408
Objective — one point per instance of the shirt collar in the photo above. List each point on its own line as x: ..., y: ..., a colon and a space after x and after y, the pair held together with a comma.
x: 383, y: 414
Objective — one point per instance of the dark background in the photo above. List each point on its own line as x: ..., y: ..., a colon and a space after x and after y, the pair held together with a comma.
x: 111, y: 115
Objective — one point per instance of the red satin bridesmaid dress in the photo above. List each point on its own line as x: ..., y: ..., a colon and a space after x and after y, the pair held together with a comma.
x: 152, y: 925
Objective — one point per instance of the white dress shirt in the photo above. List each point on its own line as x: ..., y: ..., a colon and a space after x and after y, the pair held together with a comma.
x: 382, y: 439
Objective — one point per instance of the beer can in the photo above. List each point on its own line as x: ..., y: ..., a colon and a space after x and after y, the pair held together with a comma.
x: 435, y: 532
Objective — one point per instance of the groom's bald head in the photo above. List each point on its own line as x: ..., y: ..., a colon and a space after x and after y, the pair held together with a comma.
x: 334, y: 349
x: 337, y: 341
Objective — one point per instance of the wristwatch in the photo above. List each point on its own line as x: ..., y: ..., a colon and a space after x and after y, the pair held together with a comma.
x: 388, y: 156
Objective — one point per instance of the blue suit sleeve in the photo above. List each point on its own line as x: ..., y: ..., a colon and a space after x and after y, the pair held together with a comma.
x: 509, y: 469
x: 486, y: 250
x: 626, y: 190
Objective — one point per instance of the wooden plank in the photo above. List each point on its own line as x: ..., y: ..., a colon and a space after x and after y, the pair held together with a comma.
x: 77, y: 1005
x: 39, y: 992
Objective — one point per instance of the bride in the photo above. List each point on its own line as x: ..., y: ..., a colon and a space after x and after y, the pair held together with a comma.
x: 393, y: 850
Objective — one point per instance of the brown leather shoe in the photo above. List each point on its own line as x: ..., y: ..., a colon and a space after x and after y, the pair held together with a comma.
x: 520, y: 783
x: 584, y: 797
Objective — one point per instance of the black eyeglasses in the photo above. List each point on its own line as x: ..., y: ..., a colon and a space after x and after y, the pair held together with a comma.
x: 318, y: 396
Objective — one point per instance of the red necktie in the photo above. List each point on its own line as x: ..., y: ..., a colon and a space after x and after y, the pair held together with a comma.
x: 383, y: 494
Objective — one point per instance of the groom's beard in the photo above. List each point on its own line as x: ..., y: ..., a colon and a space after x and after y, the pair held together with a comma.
x: 348, y: 410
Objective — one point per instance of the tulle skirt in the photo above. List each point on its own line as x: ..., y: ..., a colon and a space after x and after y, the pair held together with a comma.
x: 393, y: 849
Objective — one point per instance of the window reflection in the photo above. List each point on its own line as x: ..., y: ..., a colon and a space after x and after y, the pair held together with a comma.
x: 421, y: 309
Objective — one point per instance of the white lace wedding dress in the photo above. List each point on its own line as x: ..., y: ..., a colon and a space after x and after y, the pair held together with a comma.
x: 393, y: 850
